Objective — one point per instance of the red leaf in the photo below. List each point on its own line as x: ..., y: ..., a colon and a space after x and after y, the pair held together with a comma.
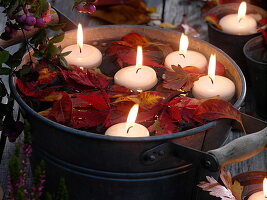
x: 61, y: 110
x: 116, y: 91
x: 89, y: 78
x: 263, y: 21
x: 264, y: 35
x: 183, y: 108
x: 46, y: 76
x: 98, y: 99
x: 88, y: 118
x: 179, y: 79
x: 163, y: 125
x: 31, y: 89
x: 220, y: 70
x: 213, y: 109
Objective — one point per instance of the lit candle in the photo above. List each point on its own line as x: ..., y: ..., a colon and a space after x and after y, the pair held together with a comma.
x: 213, y: 85
x: 129, y: 128
x: 185, y: 57
x: 239, y: 24
x: 262, y: 195
x: 83, y: 55
x: 138, y: 77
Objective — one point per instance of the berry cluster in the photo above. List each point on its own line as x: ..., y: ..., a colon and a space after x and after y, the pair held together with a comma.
x: 22, y: 18
x: 87, y: 6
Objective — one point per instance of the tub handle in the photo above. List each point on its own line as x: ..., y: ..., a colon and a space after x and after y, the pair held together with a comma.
x: 237, y: 150
x: 241, y: 149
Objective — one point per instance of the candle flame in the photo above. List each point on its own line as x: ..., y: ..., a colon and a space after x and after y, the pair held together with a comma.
x: 132, y: 116
x: 80, y: 36
x: 242, y: 10
x: 212, y: 66
x: 265, y: 187
x: 183, y: 44
x: 139, y: 57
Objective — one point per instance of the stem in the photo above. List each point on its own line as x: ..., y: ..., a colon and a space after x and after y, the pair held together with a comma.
x: 27, y: 43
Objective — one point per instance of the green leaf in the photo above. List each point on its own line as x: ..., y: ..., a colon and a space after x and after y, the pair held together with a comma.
x: 65, y: 53
x: 57, y: 38
x: 5, y: 71
x: 56, y: 27
x: 51, y: 51
x: 63, y: 62
x: 39, y: 37
x: 4, y: 55
x: 12, y: 6
x: 38, y: 54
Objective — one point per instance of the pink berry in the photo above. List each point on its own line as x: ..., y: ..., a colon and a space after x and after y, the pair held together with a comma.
x: 47, y: 19
x: 90, y: 8
x: 27, y: 27
x: 40, y: 22
x: 30, y: 20
x: 21, y: 18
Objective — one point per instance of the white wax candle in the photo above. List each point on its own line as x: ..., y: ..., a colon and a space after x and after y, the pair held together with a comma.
x: 258, y: 196
x: 231, y: 24
x: 137, y: 130
x: 190, y: 58
x: 88, y: 57
x: 222, y: 86
x: 143, y: 78
x: 239, y: 24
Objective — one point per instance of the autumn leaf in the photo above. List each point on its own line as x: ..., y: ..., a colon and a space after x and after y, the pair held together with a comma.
x: 179, y: 79
x: 134, y: 12
x: 163, y: 125
x: 61, y: 110
x: 99, y: 100
x: 215, y: 189
x: 183, y: 109
x: 88, y: 118
x: 226, y: 178
x: 220, y: 69
x: 263, y: 21
x: 115, y: 91
x: 213, y: 19
x: 46, y: 76
x: 125, y: 50
x: 136, y: 39
x: 146, y: 100
x: 212, y: 109
x: 90, y: 78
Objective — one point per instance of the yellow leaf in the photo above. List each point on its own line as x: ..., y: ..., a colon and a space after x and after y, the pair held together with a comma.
x: 237, y: 190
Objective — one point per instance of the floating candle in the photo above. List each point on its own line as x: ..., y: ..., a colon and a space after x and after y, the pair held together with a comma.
x: 83, y: 55
x: 262, y: 195
x: 138, y: 77
x: 213, y: 85
x: 129, y: 128
x: 185, y: 57
x: 239, y: 24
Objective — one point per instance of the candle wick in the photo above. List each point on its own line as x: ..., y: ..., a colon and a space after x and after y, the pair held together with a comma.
x: 129, y: 129
x: 240, y: 20
x: 211, y: 80
x: 80, y: 49
x: 182, y: 55
x: 138, y: 70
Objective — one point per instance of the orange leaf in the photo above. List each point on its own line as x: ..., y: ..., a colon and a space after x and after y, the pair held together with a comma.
x: 213, y: 19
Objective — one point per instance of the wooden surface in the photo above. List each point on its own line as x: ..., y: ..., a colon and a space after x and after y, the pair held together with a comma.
x: 173, y: 14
